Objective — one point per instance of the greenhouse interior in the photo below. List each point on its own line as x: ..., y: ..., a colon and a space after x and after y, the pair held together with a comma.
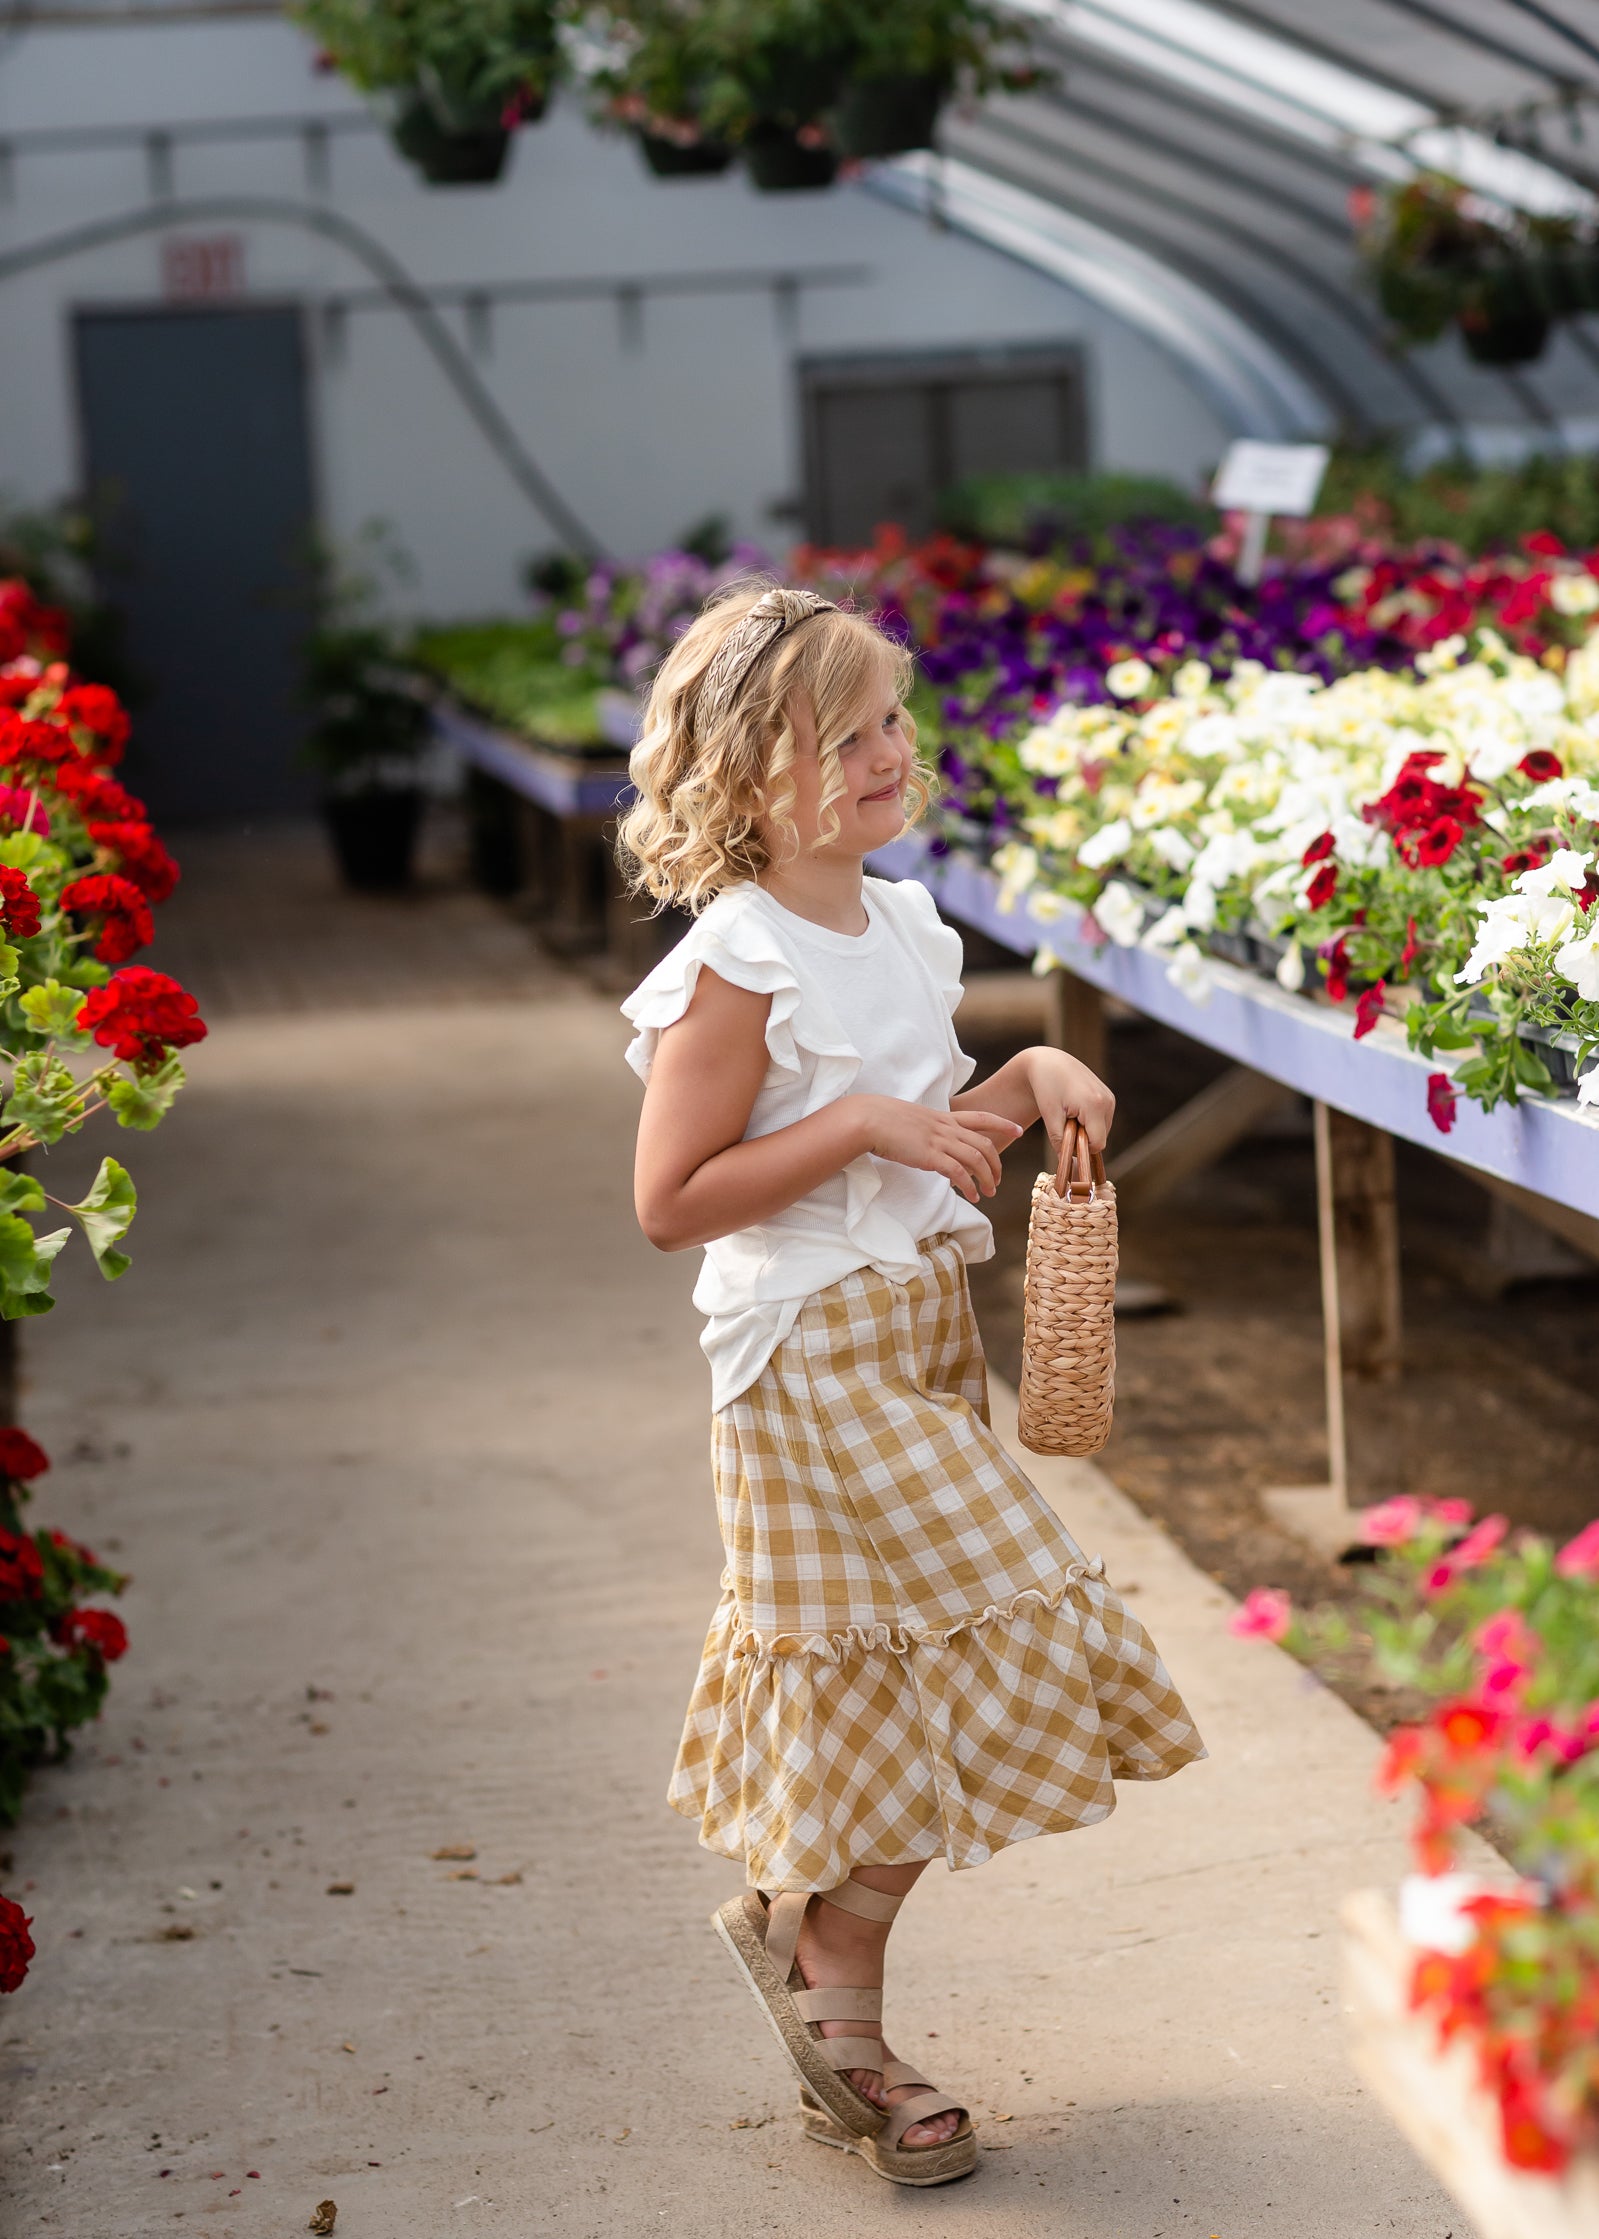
x: 879, y: 725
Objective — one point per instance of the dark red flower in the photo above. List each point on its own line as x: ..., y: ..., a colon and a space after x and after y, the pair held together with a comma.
x: 1428, y: 849
x: 1368, y: 1008
x: 25, y: 741
x: 1442, y: 1096
x: 98, y: 1629
x: 19, y: 905
x: 1545, y: 543
x: 76, y: 1549
x: 123, y: 912
x: 141, y: 1015
x: 1524, y: 859
x: 97, y: 710
x: 1318, y: 850
x: 1335, y: 964
x: 1541, y: 766
x: 20, y: 1456
x: 92, y: 793
x: 1407, y: 955
x: 1322, y: 887
x: 16, y: 1945
x: 21, y: 1568
x: 140, y: 857
x: 20, y: 807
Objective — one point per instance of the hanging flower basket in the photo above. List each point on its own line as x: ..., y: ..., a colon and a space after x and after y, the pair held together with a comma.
x: 1501, y: 320
x: 683, y: 159
x: 891, y: 114
x: 446, y: 157
x: 780, y: 161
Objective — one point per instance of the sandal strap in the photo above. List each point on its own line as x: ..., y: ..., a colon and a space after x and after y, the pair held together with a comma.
x: 838, y: 2005
x: 784, y: 1914
x: 851, y: 2052
x: 869, y: 1904
x: 898, y: 2073
x: 912, y: 2111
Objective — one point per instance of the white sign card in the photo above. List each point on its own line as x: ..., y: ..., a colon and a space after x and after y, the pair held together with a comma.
x: 1270, y: 478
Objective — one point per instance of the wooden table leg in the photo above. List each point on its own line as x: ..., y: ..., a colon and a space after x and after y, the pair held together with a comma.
x: 1357, y: 1215
x: 1077, y: 1019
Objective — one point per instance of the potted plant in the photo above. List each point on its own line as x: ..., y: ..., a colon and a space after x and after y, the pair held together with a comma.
x: 778, y: 67
x: 656, y: 66
x: 1486, y: 2040
x: 910, y: 59
x: 455, y: 77
x: 369, y: 726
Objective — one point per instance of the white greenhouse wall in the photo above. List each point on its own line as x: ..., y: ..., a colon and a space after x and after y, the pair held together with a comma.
x: 642, y: 434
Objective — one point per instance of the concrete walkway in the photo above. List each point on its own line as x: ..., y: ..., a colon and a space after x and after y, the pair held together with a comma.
x: 402, y: 1429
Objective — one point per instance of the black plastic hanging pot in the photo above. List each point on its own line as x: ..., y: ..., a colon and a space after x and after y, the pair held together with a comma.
x: 374, y: 835
x: 448, y: 158
x: 680, y: 159
x: 1502, y: 322
x: 891, y: 114
x: 779, y: 162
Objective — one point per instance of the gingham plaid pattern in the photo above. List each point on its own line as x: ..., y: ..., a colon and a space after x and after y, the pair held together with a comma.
x: 911, y: 1655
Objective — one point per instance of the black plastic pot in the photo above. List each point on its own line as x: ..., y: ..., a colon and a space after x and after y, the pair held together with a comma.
x: 449, y: 158
x: 778, y: 162
x: 1507, y: 335
x: 889, y: 115
x: 675, y: 159
x: 374, y: 836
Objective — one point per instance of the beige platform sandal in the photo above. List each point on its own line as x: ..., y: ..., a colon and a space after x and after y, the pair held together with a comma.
x: 762, y: 1937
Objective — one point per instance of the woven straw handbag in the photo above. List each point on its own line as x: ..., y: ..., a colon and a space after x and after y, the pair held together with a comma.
x: 1069, y: 1317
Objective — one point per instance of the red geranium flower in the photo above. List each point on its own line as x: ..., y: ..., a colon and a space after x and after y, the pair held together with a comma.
x: 19, y: 905
x: 1322, y: 887
x: 1524, y: 859
x: 1318, y: 850
x: 20, y: 807
x: 20, y: 1456
x: 1427, y: 850
x: 97, y: 710
x: 1368, y: 1008
x: 92, y: 793
x: 140, y: 857
x: 21, y: 1568
x: 76, y: 1549
x: 1545, y: 543
x: 23, y: 741
x: 1442, y: 1097
x: 16, y: 1945
x: 98, y: 1629
x: 1541, y: 766
x: 141, y: 1015
x: 124, y: 914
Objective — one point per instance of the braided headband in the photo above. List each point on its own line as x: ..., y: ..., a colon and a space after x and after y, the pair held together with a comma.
x: 773, y: 613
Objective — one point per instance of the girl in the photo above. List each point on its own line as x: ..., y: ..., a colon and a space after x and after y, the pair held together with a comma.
x: 910, y: 1657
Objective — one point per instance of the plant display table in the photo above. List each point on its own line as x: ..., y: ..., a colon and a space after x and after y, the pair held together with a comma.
x: 1435, y: 2099
x: 1541, y: 1154
x: 554, y: 846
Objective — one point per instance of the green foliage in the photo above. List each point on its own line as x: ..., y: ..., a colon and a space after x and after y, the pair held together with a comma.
x: 469, y: 57
x: 143, y: 1100
x: 1479, y: 508
x: 1030, y: 511
x: 45, y: 1098
x: 513, y: 672
x: 106, y: 1215
x: 52, y: 1010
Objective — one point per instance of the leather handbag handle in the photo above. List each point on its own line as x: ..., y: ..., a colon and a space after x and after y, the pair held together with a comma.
x: 1080, y: 1166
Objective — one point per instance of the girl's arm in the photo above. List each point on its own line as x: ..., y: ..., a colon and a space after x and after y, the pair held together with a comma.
x: 1044, y: 1084
x: 696, y: 1179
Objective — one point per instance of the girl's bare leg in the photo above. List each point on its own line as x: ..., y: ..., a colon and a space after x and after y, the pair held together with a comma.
x: 838, y: 1949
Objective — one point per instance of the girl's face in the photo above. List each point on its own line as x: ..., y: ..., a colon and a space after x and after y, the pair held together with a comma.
x: 875, y: 761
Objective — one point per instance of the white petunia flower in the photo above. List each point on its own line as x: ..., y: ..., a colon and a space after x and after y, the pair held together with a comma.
x: 1578, y: 961
x: 1017, y: 866
x: 1121, y: 914
x: 1199, y: 905
x: 1045, y: 961
x: 1105, y: 845
x: 1168, y: 930
x: 1129, y: 680
x: 1511, y: 924
x: 1566, y: 869
x: 1290, y: 972
x: 1190, y: 974
x: 1588, y: 1086
x: 1574, y: 594
x: 1170, y: 845
x: 1192, y: 680
x: 1047, y: 908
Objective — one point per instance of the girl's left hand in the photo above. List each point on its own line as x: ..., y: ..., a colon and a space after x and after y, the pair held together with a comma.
x: 1064, y: 1089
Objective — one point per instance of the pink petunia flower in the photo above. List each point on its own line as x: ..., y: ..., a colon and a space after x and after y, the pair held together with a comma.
x: 1579, y: 1558
x: 1264, y: 1614
x: 1392, y: 1523
x: 1475, y: 1548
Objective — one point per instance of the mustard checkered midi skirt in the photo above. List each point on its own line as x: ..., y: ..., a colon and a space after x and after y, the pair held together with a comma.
x: 911, y: 1656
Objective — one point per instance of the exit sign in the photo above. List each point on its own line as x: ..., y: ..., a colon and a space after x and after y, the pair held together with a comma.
x: 196, y: 266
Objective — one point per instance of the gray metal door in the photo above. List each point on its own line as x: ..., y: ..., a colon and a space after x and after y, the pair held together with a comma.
x: 198, y: 466
x: 886, y: 435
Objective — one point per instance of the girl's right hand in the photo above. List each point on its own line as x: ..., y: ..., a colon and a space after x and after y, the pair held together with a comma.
x: 962, y: 1146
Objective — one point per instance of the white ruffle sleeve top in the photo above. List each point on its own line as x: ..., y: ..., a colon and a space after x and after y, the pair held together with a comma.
x: 864, y: 1014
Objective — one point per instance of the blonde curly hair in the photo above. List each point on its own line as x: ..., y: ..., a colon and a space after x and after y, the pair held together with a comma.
x: 714, y: 758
